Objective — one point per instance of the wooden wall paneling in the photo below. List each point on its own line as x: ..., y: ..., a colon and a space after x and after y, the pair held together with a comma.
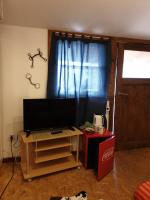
x: 112, y: 79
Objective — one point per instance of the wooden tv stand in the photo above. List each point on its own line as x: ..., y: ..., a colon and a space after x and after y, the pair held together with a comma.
x: 44, y: 153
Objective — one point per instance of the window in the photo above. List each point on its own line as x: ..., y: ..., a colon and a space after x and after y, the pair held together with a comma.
x: 78, y: 68
x: 81, y: 67
x: 90, y: 75
x: 136, y: 64
x: 84, y: 73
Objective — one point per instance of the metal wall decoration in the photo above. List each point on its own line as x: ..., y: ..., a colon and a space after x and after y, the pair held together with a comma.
x: 31, y: 58
x: 40, y: 54
x: 29, y: 76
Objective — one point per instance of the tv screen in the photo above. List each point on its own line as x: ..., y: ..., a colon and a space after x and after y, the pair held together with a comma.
x: 40, y: 114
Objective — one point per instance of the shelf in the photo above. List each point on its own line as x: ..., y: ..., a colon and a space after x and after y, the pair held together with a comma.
x: 47, y: 145
x: 45, y: 135
x: 43, y: 153
x: 54, y: 156
x: 51, y: 167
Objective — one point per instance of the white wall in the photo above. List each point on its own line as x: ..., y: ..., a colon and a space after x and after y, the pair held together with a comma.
x: 15, y: 43
x: 1, y: 155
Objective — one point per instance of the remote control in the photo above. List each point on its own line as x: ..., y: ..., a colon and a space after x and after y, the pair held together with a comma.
x: 55, y: 132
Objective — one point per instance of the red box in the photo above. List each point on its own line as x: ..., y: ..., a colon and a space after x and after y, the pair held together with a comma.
x: 99, y: 152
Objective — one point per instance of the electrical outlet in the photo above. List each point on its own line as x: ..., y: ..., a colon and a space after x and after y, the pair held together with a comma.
x: 14, y: 137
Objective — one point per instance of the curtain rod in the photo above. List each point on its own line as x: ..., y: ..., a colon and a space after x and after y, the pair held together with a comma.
x: 80, y: 35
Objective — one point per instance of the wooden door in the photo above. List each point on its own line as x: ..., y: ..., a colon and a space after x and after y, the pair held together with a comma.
x: 132, y: 113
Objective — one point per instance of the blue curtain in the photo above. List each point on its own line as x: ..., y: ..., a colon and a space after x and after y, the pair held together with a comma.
x: 79, y: 68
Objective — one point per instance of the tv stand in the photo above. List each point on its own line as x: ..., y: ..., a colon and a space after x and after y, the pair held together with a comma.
x: 43, y: 153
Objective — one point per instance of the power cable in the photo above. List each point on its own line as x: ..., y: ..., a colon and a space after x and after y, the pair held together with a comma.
x: 13, y: 167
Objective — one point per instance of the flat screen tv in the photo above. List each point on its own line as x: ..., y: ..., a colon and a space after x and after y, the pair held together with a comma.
x: 45, y: 114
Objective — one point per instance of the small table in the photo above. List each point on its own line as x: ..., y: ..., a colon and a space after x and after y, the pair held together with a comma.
x: 98, y: 152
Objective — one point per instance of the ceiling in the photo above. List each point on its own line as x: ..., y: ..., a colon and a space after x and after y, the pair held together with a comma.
x: 126, y: 18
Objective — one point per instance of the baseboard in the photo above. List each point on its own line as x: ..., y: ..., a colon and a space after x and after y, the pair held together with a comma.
x: 10, y: 159
x: 132, y: 145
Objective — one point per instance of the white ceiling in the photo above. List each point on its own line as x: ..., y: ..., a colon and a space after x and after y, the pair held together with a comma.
x: 127, y: 18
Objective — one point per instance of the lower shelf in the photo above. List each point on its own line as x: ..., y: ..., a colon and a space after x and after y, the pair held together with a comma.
x: 58, y: 155
x: 50, y: 167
